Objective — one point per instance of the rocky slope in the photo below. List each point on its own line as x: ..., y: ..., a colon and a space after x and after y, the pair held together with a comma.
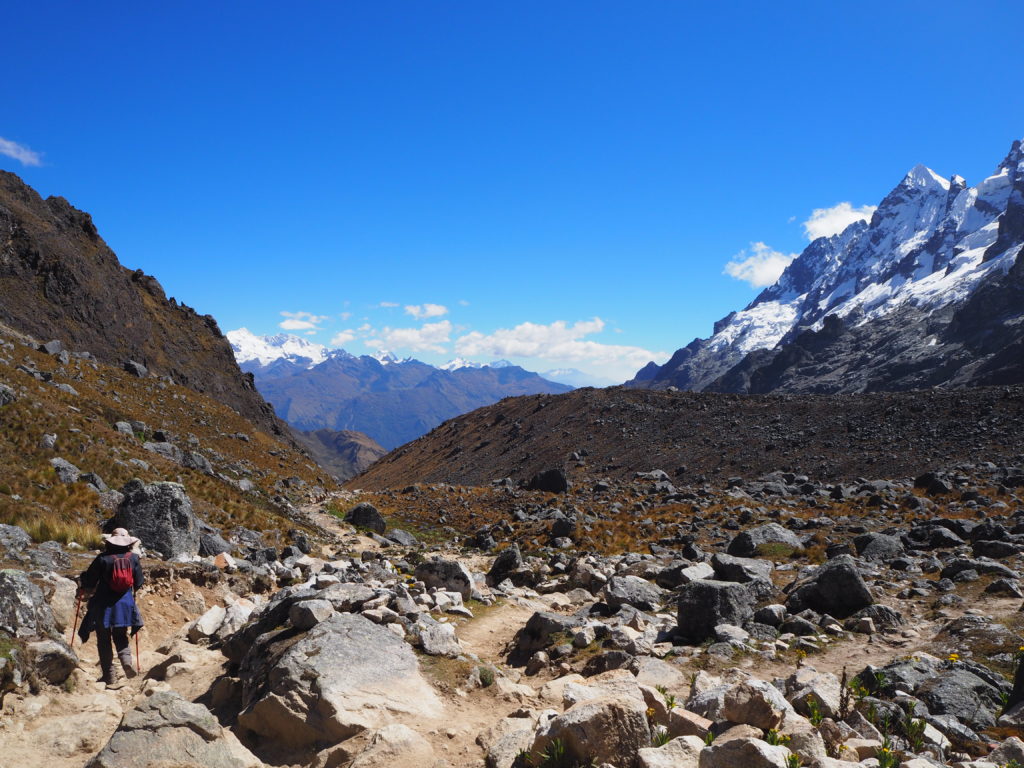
x: 392, y: 401
x: 775, y: 623
x: 616, y: 432
x: 344, y: 454
x: 59, y: 280
x: 928, y: 293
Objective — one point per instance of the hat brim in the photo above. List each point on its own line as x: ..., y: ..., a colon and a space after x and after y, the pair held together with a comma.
x: 120, y: 541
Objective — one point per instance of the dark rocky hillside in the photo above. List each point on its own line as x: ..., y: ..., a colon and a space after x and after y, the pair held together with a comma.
x: 617, y: 432
x: 59, y: 280
x: 344, y: 454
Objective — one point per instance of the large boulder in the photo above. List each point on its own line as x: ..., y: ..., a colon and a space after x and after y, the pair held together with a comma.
x: 24, y: 611
x: 681, y: 752
x: 450, y: 575
x: 550, y: 480
x: 705, y: 604
x: 764, y: 540
x: 744, y: 753
x: 971, y: 695
x: 13, y: 541
x: 878, y: 547
x: 602, y: 730
x: 835, y: 588
x: 165, y: 729
x: 506, y: 565
x: 160, y: 514
x: 634, y: 591
x: 344, y: 676
x: 757, y: 703
x: 365, y: 515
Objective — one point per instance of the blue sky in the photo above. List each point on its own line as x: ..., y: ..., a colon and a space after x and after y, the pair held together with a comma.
x: 557, y: 183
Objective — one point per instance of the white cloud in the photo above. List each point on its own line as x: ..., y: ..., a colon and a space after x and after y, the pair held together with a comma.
x: 760, y: 265
x: 557, y: 341
x: 825, y: 222
x: 301, y: 321
x: 428, y: 338
x: 20, y: 152
x: 424, y: 311
x: 463, y: 303
x: 345, y: 315
x: 388, y: 304
x: 341, y: 338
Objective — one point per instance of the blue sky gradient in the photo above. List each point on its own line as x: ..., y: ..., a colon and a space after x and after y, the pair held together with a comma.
x: 528, y: 162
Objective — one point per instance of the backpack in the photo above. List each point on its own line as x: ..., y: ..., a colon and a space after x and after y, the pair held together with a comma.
x: 121, y: 578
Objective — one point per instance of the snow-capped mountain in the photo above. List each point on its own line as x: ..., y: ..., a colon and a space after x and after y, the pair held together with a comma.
x: 458, y: 363
x: 264, y: 350
x: 390, y: 399
x: 905, y: 276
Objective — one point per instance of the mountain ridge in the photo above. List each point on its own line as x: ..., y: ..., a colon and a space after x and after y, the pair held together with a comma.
x: 904, y: 277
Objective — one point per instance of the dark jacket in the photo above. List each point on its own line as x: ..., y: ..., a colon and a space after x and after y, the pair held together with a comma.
x: 108, y: 608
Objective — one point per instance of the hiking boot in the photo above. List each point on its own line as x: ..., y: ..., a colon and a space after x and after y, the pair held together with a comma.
x: 127, y: 663
x: 112, y: 678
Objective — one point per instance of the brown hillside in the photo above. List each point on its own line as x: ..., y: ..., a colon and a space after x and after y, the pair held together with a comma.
x: 616, y: 432
x: 59, y: 280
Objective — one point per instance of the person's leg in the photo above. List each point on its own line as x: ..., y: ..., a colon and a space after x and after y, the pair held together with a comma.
x: 110, y: 673
x: 124, y: 651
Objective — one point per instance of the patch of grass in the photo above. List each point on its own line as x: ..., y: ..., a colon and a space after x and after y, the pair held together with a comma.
x: 447, y: 674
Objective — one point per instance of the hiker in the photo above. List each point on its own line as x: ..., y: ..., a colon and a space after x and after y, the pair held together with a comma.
x: 110, y: 583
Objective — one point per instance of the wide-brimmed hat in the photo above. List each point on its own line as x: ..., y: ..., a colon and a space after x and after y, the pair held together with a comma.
x: 120, y: 538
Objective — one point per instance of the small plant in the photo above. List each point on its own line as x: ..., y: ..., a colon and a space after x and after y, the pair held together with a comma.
x: 814, y: 711
x: 953, y: 658
x: 486, y: 676
x: 793, y: 760
x: 914, y: 730
x: 775, y: 738
x: 709, y: 738
x: 887, y: 756
x: 660, y: 737
x: 845, y: 697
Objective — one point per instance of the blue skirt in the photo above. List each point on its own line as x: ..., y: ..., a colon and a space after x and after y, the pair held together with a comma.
x: 110, y: 610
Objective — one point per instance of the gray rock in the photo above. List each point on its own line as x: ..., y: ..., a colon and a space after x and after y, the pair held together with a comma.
x: 835, y: 588
x: 13, y: 540
x: 505, y: 565
x: 607, y: 730
x: 136, y: 369
x: 705, y: 604
x: 309, y: 613
x: 402, y: 538
x: 124, y: 428
x: 634, y: 591
x: 878, y: 547
x: 165, y: 728
x: 960, y: 692
x: 66, y: 471
x: 24, y: 611
x: 450, y: 575
x: 169, y: 451
x: 753, y: 542
x: 550, y: 481
x: 439, y: 640
x: 48, y: 441
x: 198, y: 462
x: 160, y: 514
x: 53, y: 660
x: 741, y: 569
x: 95, y: 481
x: 212, y: 544
x: 743, y: 752
x: 345, y: 675
x: 365, y: 515
x: 7, y: 395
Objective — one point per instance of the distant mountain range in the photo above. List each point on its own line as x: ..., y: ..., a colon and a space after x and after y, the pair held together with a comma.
x: 391, y: 400
x: 929, y: 292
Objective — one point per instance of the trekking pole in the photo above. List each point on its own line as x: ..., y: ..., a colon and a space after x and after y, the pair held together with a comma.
x: 74, y: 627
x: 138, y: 658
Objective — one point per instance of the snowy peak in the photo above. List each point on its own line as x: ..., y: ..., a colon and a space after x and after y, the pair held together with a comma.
x: 929, y: 244
x: 264, y: 350
x: 459, y: 363
x: 924, y: 177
